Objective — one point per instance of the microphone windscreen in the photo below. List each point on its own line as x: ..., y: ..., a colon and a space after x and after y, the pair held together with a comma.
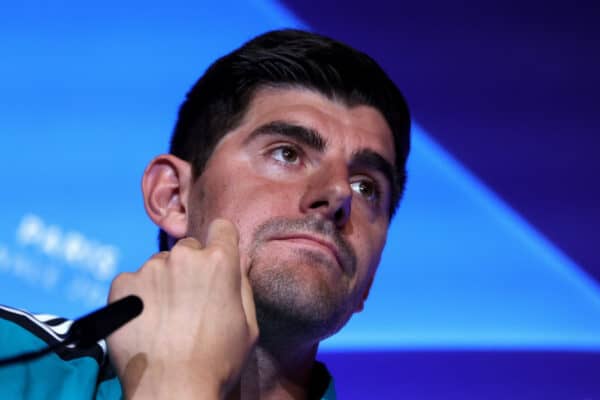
x: 88, y: 330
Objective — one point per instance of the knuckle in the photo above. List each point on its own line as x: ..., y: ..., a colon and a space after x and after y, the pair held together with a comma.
x: 153, y: 263
x: 121, y: 279
x: 161, y: 255
x: 188, y: 242
x: 120, y: 283
x: 218, y: 254
x: 180, y: 252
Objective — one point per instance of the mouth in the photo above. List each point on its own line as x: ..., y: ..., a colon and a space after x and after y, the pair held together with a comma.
x: 319, y: 243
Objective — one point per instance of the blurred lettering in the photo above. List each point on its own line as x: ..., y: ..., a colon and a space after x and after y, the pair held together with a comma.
x: 72, y: 247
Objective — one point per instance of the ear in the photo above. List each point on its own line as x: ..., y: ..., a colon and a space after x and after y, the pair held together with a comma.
x: 165, y: 185
x: 361, y: 305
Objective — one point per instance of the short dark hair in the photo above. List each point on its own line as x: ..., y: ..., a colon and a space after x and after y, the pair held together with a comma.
x: 218, y: 101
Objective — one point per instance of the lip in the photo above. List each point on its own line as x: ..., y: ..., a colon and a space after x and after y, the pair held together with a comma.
x: 319, y: 241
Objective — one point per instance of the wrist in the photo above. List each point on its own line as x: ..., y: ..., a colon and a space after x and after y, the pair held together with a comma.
x: 164, y: 383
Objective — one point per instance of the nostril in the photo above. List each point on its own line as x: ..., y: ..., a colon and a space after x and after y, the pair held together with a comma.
x: 319, y: 204
x: 339, y: 215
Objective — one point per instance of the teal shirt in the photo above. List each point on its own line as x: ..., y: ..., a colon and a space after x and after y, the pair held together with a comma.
x: 71, y: 373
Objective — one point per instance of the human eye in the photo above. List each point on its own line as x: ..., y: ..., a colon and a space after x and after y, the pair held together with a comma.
x: 367, y: 188
x: 286, y: 154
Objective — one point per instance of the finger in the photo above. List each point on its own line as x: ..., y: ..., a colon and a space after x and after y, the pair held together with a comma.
x: 163, y: 255
x: 249, y: 306
x: 189, y: 242
x: 120, y: 286
x: 222, y: 232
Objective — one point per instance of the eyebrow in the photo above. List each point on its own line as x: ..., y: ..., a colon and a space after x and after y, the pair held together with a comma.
x: 302, y: 134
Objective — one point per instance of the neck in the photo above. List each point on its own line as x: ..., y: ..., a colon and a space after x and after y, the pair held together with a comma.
x: 276, y: 372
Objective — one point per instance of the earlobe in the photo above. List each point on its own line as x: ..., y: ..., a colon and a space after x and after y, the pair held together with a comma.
x: 165, y: 186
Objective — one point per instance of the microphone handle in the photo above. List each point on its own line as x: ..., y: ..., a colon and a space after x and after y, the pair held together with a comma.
x: 89, y: 329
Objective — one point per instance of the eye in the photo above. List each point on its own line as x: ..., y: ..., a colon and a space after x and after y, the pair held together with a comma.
x: 286, y: 154
x: 366, y: 188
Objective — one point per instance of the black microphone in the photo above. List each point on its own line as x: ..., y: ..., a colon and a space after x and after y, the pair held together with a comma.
x: 89, y: 329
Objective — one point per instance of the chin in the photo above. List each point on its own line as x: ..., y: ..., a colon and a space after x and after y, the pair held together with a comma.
x: 298, y: 301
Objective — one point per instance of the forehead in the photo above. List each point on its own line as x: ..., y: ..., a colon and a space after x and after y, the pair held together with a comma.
x: 351, y: 128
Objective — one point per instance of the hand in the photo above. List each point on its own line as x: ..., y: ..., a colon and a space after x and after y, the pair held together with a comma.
x: 198, y: 325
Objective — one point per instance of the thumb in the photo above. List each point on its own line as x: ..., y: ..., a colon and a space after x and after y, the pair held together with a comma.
x: 249, y: 306
x: 222, y: 232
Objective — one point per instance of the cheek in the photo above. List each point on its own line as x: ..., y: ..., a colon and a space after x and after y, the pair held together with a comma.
x: 249, y: 203
x: 257, y: 200
x: 369, y: 246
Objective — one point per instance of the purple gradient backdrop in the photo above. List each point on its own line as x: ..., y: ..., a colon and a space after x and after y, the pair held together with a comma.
x: 493, y: 375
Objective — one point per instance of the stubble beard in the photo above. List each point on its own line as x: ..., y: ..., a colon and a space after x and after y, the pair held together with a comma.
x: 291, y: 308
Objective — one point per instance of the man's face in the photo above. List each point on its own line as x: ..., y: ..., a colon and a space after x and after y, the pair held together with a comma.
x: 306, y: 181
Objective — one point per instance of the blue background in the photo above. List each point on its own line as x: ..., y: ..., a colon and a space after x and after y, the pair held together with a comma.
x: 489, y: 282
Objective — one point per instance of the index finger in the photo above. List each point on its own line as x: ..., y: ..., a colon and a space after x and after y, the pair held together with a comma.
x: 222, y: 232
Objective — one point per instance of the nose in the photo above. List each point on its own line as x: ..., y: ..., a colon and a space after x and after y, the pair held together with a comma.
x: 329, y: 193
